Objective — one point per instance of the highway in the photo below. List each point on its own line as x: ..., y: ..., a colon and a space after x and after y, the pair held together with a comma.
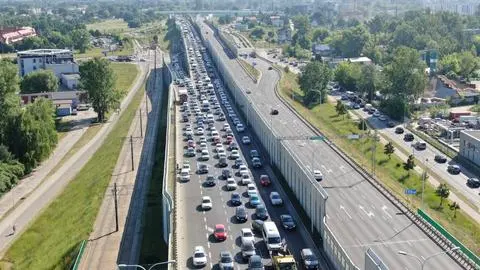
x: 196, y: 225
x: 359, y: 216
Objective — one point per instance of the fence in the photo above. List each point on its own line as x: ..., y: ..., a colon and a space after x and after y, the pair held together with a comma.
x: 78, y: 258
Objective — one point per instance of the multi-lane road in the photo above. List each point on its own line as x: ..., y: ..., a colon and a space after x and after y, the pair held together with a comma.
x: 195, y: 226
x: 359, y: 216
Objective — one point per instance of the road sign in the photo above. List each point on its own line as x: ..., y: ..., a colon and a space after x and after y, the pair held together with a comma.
x: 410, y: 191
x: 353, y: 137
x: 317, y: 138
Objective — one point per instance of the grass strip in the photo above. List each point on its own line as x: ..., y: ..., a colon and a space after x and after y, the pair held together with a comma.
x: 112, y: 26
x: 52, y: 237
x: 388, y: 170
x: 255, y: 73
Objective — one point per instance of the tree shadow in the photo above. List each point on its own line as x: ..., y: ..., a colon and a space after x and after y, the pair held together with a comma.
x: 383, y: 161
x: 403, y: 178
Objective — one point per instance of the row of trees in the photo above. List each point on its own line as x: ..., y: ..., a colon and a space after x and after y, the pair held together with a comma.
x: 27, y: 135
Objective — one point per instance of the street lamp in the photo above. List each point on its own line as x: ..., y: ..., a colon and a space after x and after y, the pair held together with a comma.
x: 423, y: 261
x: 160, y: 263
x: 131, y: 265
x: 424, y: 178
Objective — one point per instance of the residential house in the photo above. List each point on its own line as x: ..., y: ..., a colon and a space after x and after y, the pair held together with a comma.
x: 12, y: 35
x: 322, y: 50
x: 276, y: 21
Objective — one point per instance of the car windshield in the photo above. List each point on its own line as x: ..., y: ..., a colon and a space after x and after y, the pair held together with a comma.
x: 199, y: 255
x: 226, y: 259
x: 275, y: 196
x: 206, y: 200
x: 255, y: 264
x: 274, y: 240
x: 310, y: 258
x: 220, y: 229
x: 247, y: 234
x: 287, y: 219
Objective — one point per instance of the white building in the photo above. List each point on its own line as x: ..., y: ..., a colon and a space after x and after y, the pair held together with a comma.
x: 59, y: 61
x: 70, y: 80
x: 276, y: 21
x: 470, y: 145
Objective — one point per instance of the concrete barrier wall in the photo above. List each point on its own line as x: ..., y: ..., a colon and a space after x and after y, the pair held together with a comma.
x: 335, y: 251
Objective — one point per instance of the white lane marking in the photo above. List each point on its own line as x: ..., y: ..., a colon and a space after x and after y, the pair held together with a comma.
x: 205, y: 219
x: 345, y: 210
x: 206, y: 227
x: 328, y: 217
x: 384, y: 208
x: 208, y: 244
x: 369, y: 214
x: 386, y: 243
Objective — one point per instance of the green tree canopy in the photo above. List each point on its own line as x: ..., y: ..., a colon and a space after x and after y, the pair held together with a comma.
x: 443, y: 192
x: 348, y: 75
x: 371, y: 81
x: 257, y: 33
x: 39, y: 81
x: 81, y: 39
x: 98, y: 79
x: 313, y: 82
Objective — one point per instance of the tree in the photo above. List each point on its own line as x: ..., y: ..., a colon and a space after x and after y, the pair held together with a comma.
x: 39, y: 81
x: 340, y: 108
x: 404, y: 35
x: 80, y: 39
x: 409, y: 165
x: 350, y: 42
x: 313, y: 82
x: 443, y: 192
x: 454, y: 207
x: 319, y: 34
x: 370, y: 81
x: 348, y: 75
x: 98, y: 79
x: 389, y: 149
x: 257, y: 33
x: 450, y: 63
x: 225, y: 19
x: 468, y: 64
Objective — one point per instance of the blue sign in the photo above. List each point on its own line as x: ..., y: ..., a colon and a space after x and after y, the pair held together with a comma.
x: 317, y: 138
x: 410, y: 191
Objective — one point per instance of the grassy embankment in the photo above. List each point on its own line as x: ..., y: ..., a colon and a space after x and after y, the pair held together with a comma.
x: 255, y: 73
x: 52, y: 238
x: 389, y: 171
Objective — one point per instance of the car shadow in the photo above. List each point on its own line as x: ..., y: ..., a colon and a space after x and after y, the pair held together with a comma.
x: 200, y: 209
x: 234, y: 220
x: 239, y: 258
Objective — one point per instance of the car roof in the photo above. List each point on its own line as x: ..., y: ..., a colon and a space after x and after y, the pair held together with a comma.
x: 219, y: 226
x: 206, y: 198
x: 307, y: 251
x: 246, y: 230
x: 199, y: 249
x: 225, y: 253
x: 274, y: 193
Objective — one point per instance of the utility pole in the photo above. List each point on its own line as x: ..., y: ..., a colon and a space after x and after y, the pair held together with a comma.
x: 374, y: 151
x: 116, y: 205
x: 141, y: 125
x: 131, y: 152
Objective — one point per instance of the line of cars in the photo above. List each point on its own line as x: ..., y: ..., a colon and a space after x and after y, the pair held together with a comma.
x: 203, y: 141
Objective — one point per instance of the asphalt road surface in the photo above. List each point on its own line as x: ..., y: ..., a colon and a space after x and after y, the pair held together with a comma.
x: 359, y: 216
x: 199, y: 224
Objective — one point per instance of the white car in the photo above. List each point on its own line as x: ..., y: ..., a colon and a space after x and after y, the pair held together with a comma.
x: 246, y: 140
x: 243, y: 169
x: 246, y: 234
x: 185, y: 175
x: 207, y: 203
x: 199, y: 256
x: 225, y: 126
x: 219, y: 147
x: 240, y: 127
x: 231, y: 184
x: 203, y: 146
x: 246, y: 180
x: 200, y: 131
x: 205, y: 155
x: 251, y: 189
x: 186, y: 166
x: 317, y: 174
x: 234, y: 154
x: 275, y: 198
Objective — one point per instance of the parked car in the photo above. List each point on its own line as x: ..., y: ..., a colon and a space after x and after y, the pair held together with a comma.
x: 317, y: 174
x: 454, y: 169
x: 235, y: 199
x: 274, y: 112
x: 473, y: 182
x: 440, y: 158
x: 226, y: 260
x: 246, y: 234
x: 210, y: 181
x: 202, y: 168
x: 255, y: 263
x: 226, y: 173
x: 254, y: 200
x: 257, y: 225
x: 399, y: 130
x: 207, y: 203
x: 231, y: 184
x: 390, y: 124
x: 220, y: 233
x: 408, y: 137
x: 420, y: 145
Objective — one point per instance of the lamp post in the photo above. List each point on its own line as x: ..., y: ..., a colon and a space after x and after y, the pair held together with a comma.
x: 160, y: 263
x: 424, y: 178
x: 423, y: 261
x: 131, y: 265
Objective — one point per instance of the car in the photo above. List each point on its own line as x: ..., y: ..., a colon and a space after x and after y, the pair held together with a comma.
x: 317, y: 174
x: 202, y: 168
x: 238, y: 163
x: 220, y: 233
x: 453, y: 169
x: 207, y: 203
x: 221, y: 153
x: 382, y: 117
x: 270, y: 68
x: 287, y: 222
x: 420, y: 145
x: 274, y: 112
x: 376, y: 113
x: 473, y: 182
x: 225, y: 126
x: 235, y: 199
x: 245, y: 179
x: 200, y: 131
x: 226, y: 261
x: 408, y: 137
x: 254, y: 200
x: 222, y: 162
x: 390, y: 124
x: 246, y: 234
x: 399, y: 130
x: 309, y: 259
x: 199, y: 256
x: 226, y: 173
x: 256, y: 162
x: 440, y: 158
x: 251, y: 189
x: 261, y: 212
x: 242, y: 170
x: 210, y: 181
x: 246, y: 140
x: 205, y: 155
x: 257, y: 225
x: 255, y: 263
x: 234, y: 154
x: 248, y: 249
x: 231, y: 184
x: 232, y: 146
x: 254, y: 153
x: 241, y: 213
x: 265, y: 180
x: 229, y: 139
x: 190, y: 152
x: 191, y: 143
x: 185, y: 175
x: 275, y: 198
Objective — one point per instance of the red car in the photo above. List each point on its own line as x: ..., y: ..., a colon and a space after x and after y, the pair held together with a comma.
x: 191, y: 143
x: 229, y: 139
x: 220, y: 233
x: 265, y: 180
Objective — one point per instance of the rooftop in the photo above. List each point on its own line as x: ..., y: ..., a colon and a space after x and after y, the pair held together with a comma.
x: 473, y: 133
x: 43, y: 52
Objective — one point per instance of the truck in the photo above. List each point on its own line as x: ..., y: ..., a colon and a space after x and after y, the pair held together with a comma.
x: 183, y: 95
x: 281, y: 260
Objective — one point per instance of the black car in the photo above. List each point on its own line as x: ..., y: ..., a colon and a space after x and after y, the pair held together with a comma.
x: 235, y: 199
x: 203, y: 168
x: 399, y: 130
x: 408, y: 137
x: 254, y: 153
x: 238, y: 162
x: 390, y: 124
x: 453, y: 169
x: 241, y: 213
x: 270, y: 68
x: 226, y: 173
x: 257, y: 225
x: 222, y: 162
x: 210, y: 181
x: 274, y: 112
x: 287, y: 222
x: 261, y: 212
x: 473, y: 182
x: 255, y: 263
x: 440, y: 159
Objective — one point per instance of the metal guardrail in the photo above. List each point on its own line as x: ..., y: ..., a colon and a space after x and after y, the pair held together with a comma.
x: 426, y: 227
x: 79, y: 255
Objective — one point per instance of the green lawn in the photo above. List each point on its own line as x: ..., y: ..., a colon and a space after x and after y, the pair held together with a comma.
x: 389, y: 171
x: 98, y: 52
x: 250, y: 69
x: 109, y: 26
x: 126, y: 74
x: 50, y: 239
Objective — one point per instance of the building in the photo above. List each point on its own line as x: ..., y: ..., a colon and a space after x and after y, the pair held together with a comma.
x: 242, y: 27
x: 470, y: 145
x: 59, y: 61
x: 333, y: 62
x: 70, y: 80
x: 12, y: 35
x: 276, y: 21
x: 322, y: 50
x: 284, y: 35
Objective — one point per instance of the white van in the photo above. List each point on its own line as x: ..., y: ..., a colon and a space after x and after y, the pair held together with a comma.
x: 271, y: 236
